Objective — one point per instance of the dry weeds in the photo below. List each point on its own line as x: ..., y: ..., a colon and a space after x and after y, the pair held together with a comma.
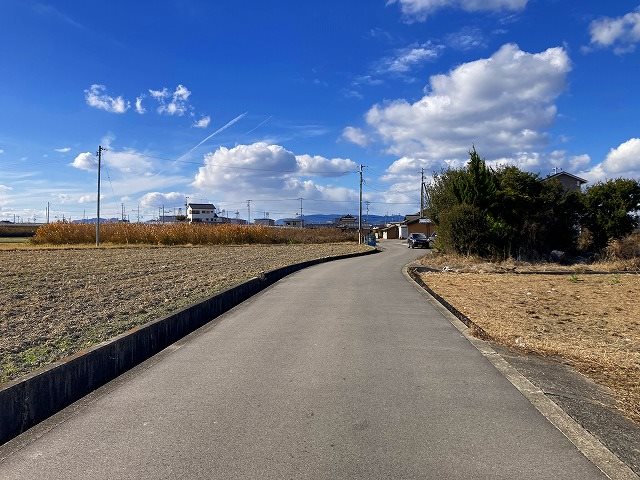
x: 56, y: 302
x: 61, y: 233
x: 591, y: 320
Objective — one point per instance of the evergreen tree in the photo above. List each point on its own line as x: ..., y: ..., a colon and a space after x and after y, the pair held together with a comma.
x: 610, y: 209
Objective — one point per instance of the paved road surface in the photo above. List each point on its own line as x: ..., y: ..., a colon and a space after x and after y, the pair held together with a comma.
x: 342, y: 370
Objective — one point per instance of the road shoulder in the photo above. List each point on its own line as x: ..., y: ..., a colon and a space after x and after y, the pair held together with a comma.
x: 595, y: 439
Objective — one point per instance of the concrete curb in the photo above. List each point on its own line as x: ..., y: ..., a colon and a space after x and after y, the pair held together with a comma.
x: 35, y: 397
x: 587, y: 444
x: 540, y: 272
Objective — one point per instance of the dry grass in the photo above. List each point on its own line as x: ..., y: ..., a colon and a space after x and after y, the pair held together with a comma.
x: 184, y: 234
x: 627, y: 248
x: 471, y: 264
x: 58, y: 301
x: 591, y: 320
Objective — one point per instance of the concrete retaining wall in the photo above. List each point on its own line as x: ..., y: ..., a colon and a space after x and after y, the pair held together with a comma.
x: 31, y: 399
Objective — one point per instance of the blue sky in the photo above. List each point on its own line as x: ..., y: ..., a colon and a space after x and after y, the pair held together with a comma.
x: 228, y: 101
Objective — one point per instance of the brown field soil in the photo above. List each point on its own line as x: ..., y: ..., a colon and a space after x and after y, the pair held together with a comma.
x: 56, y: 302
x: 591, y: 320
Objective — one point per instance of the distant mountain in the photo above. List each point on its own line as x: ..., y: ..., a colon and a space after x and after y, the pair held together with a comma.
x: 330, y: 219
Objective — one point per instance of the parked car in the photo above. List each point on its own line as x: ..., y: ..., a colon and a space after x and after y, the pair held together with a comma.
x: 417, y: 240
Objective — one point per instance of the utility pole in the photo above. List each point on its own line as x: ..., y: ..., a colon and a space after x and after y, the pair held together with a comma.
x: 122, y: 214
x: 48, y: 212
x: 360, y: 215
x: 422, y: 194
x: 100, y: 150
x: 138, y: 213
x: 367, y: 217
x: 163, y: 213
x: 301, y: 217
x: 249, y: 212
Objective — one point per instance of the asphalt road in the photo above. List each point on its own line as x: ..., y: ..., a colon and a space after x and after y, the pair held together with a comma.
x: 342, y: 370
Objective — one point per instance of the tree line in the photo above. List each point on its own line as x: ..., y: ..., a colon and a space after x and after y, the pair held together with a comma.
x: 506, y: 212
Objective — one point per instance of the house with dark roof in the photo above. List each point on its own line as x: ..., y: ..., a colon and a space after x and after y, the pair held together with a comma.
x: 202, y: 213
x: 569, y: 182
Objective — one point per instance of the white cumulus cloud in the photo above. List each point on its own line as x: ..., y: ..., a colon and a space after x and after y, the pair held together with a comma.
x: 502, y: 104
x: 622, y: 161
x: 126, y: 161
x: 245, y: 166
x: 355, y: 135
x: 85, y: 161
x: 420, y: 9
x: 620, y: 33
x: 267, y: 170
x: 156, y: 199
x: 203, y: 122
x: 309, y: 165
x: 96, y: 97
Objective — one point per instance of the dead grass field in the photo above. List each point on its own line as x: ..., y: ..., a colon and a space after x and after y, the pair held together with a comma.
x: 591, y: 320
x: 56, y: 302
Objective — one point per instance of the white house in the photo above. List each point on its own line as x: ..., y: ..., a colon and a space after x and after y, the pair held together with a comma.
x: 202, y: 213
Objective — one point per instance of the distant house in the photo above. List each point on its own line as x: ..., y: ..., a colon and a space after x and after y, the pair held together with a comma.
x: 202, y: 213
x: 569, y: 182
x: 235, y: 221
x: 420, y: 225
x: 391, y: 232
x: 293, y: 222
x: 347, y: 221
x: 267, y: 222
x: 168, y: 218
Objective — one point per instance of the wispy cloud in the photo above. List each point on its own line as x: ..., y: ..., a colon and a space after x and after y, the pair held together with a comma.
x: 203, y: 122
x: 63, y: 149
x: 96, y: 97
x: 468, y: 38
x: 355, y: 135
x: 405, y: 59
x: 139, y: 108
x: 44, y: 9
x: 419, y: 10
x: 176, y: 103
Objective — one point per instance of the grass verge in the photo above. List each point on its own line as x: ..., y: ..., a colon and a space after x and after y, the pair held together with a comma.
x: 590, y: 320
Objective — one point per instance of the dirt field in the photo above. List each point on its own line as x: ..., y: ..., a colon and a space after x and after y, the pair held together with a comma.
x: 592, y: 320
x: 58, y: 301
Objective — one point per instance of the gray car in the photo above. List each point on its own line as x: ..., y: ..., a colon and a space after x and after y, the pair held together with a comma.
x: 417, y: 240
